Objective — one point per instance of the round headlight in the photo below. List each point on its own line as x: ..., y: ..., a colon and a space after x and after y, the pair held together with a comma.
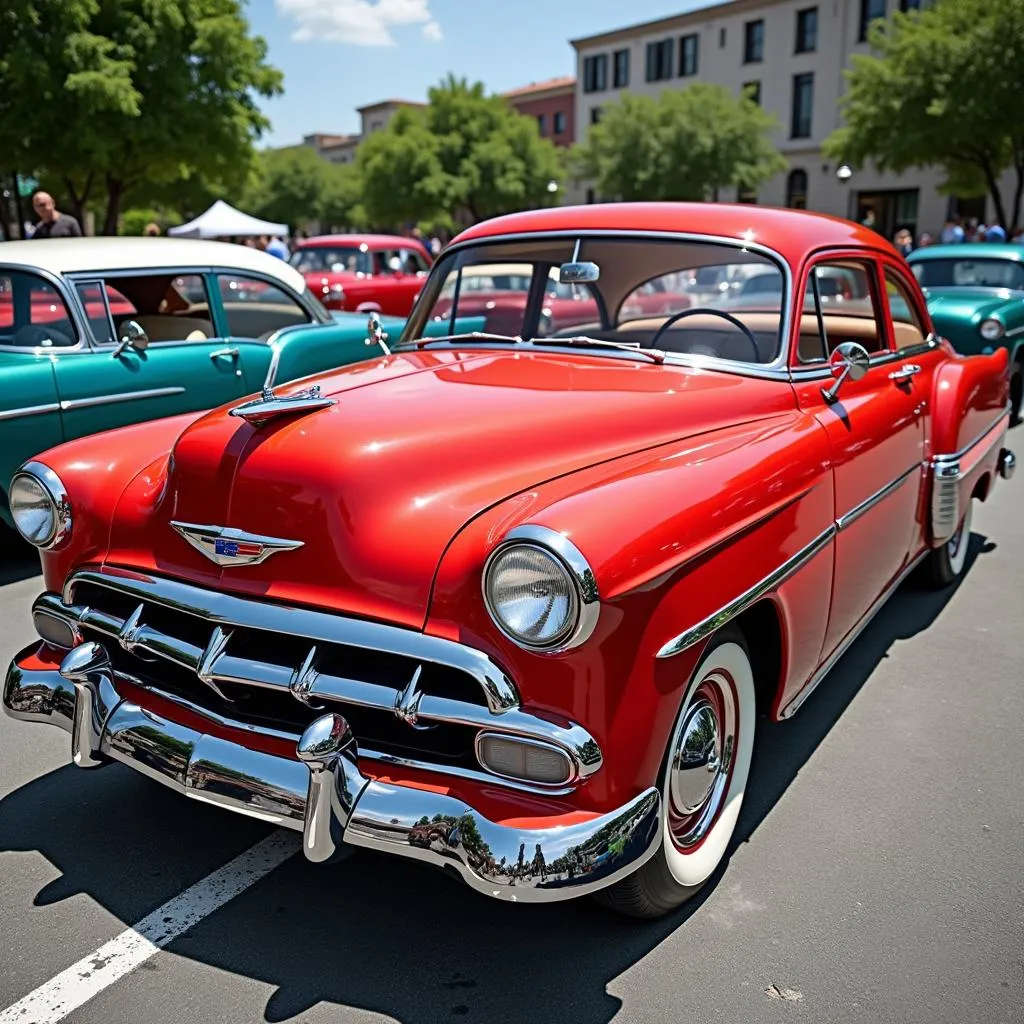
x: 992, y: 330
x: 39, y: 505
x: 540, y: 591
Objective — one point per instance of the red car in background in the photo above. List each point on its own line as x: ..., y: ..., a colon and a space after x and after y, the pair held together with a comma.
x: 363, y: 273
x: 499, y: 292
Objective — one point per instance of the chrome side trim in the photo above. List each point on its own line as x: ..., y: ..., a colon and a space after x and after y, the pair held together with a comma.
x: 945, y: 503
x: 868, y: 503
x: 124, y: 396
x: 29, y: 410
x: 956, y: 456
x: 219, y: 608
x: 714, y: 622
x: 796, y: 703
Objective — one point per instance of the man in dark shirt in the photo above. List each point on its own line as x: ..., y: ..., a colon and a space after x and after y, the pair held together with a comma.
x: 53, y: 223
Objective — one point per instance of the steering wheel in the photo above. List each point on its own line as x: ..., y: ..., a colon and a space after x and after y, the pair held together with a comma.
x: 713, y: 312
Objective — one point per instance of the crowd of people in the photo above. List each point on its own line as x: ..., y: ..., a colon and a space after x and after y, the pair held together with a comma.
x: 956, y: 230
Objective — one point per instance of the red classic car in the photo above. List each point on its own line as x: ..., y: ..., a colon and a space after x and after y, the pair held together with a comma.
x: 363, y: 273
x: 514, y: 604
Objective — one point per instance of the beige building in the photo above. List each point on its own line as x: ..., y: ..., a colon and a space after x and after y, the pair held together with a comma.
x: 341, y: 149
x: 791, y: 55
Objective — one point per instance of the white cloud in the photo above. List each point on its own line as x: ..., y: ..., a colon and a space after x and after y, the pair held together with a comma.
x: 358, y: 22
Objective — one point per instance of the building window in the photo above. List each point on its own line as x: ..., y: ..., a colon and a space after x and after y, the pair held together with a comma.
x: 721, y: 38
x: 753, y: 42
x: 595, y: 73
x: 807, y: 30
x: 796, y: 190
x: 914, y: 5
x: 621, y: 69
x: 559, y: 122
x: 595, y: 115
x: 752, y: 91
x: 870, y: 10
x: 542, y: 124
x: 688, y: 55
x: 803, y: 105
x: 659, y: 60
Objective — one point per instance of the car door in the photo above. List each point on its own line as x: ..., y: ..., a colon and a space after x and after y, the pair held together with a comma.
x: 184, y: 367
x: 876, y: 430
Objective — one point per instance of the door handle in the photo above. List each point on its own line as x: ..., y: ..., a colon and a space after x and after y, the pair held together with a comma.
x: 224, y: 353
x: 904, y: 373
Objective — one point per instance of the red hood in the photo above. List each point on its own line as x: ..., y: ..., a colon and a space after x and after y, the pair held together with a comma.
x: 417, y: 444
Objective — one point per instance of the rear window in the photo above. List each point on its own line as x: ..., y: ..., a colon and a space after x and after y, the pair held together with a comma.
x: 970, y: 273
x: 32, y: 313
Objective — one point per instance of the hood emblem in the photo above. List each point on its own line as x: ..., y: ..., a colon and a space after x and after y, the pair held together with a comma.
x: 228, y: 546
x: 269, y: 406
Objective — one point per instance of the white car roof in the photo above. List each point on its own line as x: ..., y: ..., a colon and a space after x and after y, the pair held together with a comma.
x: 86, y: 255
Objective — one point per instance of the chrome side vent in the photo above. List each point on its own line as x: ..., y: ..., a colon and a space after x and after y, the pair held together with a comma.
x: 945, y: 512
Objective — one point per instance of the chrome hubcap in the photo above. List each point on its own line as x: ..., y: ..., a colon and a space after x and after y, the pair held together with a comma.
x: 701, y: 759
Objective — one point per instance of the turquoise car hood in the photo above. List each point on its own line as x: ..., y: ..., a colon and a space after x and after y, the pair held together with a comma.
x: 961, y: 304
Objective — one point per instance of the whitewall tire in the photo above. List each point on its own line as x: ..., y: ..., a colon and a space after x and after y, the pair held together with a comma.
x: 703, y: 780
x: 948, y: 561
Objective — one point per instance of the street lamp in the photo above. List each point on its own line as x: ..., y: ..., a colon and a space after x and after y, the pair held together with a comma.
x: 552, y: 186
x: 844, y: 173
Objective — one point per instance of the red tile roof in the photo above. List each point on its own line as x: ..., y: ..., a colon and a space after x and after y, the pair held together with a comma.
x: 563, y: 82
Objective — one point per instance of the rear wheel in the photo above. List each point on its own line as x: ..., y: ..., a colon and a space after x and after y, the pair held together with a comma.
x: 947, y: 562
x: 703, y: 779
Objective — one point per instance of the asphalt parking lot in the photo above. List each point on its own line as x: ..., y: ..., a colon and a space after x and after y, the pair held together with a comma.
x: 877, y: 876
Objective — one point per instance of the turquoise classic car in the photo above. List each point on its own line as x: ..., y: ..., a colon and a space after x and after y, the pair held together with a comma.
x: 97, y: 333
x: 975, y: 296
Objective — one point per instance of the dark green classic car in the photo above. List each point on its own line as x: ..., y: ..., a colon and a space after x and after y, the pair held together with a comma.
x: 975, y: 295
x: 97, y: 333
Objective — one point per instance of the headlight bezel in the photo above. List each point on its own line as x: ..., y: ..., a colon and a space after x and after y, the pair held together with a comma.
x: 569, y: 559
x: 1000, y: 329
x: 53, y: 487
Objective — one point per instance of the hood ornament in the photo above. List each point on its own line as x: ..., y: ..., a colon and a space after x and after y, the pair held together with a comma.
x: 269, y: 406
x: 227, y: 546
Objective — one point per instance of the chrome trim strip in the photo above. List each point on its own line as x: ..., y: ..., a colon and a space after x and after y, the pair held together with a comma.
x: 868, y: 503
x: 29, y: 410
x: 219, y: 608
x: 714, y: 622
x: 956, y: 456
x: 123, y: 396
x: 588, y: 600
x: 797, y: 702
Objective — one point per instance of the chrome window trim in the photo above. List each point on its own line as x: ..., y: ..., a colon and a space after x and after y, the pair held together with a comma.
x: 781, y: 360
x: 70, y: 297
x: 941, y: 458
x: 588, y: 600
x: 123, y: 396
x: 822, y: 372
x: 29, y: 410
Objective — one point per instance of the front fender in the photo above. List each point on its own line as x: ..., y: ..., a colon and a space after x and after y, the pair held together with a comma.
x: 673, y: 535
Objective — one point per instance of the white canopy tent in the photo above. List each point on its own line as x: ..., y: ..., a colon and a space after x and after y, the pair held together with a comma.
x: 223, y: 221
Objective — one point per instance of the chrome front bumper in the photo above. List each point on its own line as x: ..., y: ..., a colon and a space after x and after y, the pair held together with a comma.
x: 323, y: 793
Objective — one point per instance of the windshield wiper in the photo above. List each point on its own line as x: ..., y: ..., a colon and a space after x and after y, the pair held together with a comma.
x: 469, y: 336
x: 582, y: 341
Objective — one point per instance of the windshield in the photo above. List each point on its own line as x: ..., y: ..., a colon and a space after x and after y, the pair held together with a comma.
x: 970, y: 273
x: 334, y: 259
x: 513, y: 288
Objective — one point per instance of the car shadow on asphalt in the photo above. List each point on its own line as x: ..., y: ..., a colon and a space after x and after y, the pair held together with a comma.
x: 18, y: 559
x: 382, y: 934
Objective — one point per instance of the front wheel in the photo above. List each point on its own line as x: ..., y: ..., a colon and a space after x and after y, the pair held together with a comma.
x: 947, y: 562
x: 703, y: 779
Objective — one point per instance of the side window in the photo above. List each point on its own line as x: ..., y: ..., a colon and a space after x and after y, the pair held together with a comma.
x: 100, y: 312
x: 413, y: 262
x: 842, y: 292
x: 32, y: 313
x: 256, y: 309
x: 906, y: 323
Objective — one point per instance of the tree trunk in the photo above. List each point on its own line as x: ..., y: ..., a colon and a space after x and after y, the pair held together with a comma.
x: 17, y: 205
x: 993, y: 190
x: 1018, y: 195
x: 115, y: 192
x: 79, y: 199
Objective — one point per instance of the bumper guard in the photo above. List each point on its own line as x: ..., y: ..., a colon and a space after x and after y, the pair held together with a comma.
x: 323, y: 793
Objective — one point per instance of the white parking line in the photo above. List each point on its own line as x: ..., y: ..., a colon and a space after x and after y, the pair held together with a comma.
x: 70, y: 989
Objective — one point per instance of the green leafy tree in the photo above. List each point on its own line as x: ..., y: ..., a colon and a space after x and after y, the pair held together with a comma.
x: 942, y: 89
x: 286, y: 185
x: 467, y: 156
x: 682, y: 145
x: 111, y: 95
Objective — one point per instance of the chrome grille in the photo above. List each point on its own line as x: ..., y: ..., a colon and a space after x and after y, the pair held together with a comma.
x: 409, y: 697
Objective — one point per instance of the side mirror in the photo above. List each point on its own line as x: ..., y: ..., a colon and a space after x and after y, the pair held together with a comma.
x: 375, y: 333
x: 848, y: 360
x: 132, y: 336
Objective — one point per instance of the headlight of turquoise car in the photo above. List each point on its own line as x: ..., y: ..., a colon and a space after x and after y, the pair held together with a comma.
x: 991, y: 330
x: 540, y: 590
x: 39, y: 506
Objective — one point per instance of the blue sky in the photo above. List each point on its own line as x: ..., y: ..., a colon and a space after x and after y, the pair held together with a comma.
x: 337, y: 55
